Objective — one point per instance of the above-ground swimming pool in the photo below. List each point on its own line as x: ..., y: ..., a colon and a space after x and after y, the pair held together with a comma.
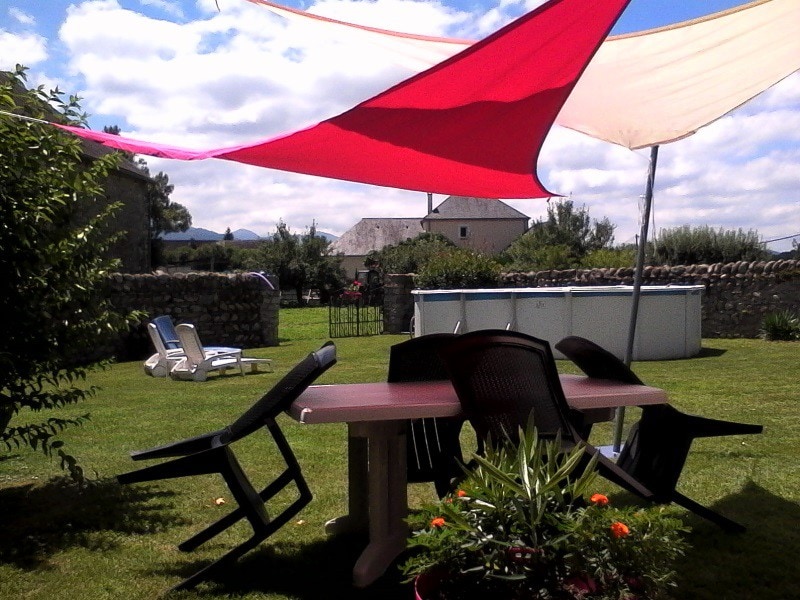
x: 668, y: 325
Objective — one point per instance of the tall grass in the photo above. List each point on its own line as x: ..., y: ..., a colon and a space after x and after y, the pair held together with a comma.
x: 109, y: 541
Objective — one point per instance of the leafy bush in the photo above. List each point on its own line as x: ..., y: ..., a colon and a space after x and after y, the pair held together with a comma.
x: 410, y: 256
x: 526, y: 525
x: 54, y: 244
x: 561, y: 241
x: 781, y: 326
x: 612, y: 258
x: 696, y: 245
x: 458, y: 269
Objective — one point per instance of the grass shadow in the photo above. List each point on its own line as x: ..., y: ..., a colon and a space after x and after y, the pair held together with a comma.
x: 706, y: 352
x: 41, y: 519
x: 760, y: 563
x: 315, y: 571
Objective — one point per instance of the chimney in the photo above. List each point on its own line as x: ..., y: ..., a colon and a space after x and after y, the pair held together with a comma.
x: 430, y: 203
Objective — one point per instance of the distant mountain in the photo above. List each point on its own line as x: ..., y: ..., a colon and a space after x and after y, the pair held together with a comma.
x: 328, y: 236
x: 193, y: 233
x: 245, y: 234
x: 204, y: 235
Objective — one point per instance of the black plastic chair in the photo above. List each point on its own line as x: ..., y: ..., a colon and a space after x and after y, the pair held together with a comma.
x: 212, y: 453
x: 502, y: 378
x: 658, y: 444
x: 433, y: 446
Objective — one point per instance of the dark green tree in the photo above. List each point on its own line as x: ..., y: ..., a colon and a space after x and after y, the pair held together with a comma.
x: 410, y: 256
x: 561, y: 240
x: 300, y: 262
x: 227, y: 236
x: 53, y: 266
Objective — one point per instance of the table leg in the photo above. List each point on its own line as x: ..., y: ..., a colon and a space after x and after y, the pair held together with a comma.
x: 388, y: 501
x: 357, y: 518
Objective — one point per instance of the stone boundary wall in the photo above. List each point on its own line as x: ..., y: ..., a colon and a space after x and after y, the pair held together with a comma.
x: 228, y: 310
x: 737, y: 295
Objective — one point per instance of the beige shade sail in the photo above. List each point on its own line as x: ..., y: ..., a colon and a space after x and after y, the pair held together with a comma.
x: 646, y: 88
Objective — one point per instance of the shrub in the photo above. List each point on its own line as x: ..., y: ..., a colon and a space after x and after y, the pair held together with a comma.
x: 612, y: 258
x: 54, y: 244
x: 410, y: 256
x: 458, y: 269
x: 526, y: 525
x: 694, y: 245
x: 781, y: 326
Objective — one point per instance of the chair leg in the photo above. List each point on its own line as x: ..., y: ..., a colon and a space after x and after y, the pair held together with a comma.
x: 707, y: 513
x: 261, y: 532
x: 237, y: 483
x: 224, y: 560
x: 202, y: 463
x: 705, y: 427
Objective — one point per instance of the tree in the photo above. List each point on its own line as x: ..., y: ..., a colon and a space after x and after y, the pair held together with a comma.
x: 299, y: 261
x: 165, y: 216
x: 227, y: 236
x: 410, y: 256
x: 53, y: 265
x: 561, y: 240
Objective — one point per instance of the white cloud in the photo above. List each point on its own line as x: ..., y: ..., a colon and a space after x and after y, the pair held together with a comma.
x: 26, y: 49
x: 171, y: 8
x: 20, y: 16
x: 244, y: 74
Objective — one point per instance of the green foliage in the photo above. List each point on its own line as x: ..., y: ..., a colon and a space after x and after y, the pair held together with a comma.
x: 612, y: 258
x: 300, y: 262
x: 410, y: 256
x: 53, y: 243
x: 687, y: 245
x: 560, y: 241
x: 523, y: 526
x: 781, y: 326
x: 458, y: 269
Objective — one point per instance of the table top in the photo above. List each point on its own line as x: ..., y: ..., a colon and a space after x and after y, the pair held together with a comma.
x: 382, y: 401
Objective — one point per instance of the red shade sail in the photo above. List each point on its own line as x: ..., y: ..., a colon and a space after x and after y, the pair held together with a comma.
x: 472, y: 125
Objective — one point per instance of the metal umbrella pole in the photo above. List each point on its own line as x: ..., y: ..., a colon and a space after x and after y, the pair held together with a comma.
x: 619, y: 417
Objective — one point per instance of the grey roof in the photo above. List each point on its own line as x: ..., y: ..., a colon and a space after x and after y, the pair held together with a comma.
x: 464, y: 207
x: 374, y: 234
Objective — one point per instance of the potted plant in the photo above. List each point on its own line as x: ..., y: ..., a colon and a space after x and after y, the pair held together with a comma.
x: 526, y: 524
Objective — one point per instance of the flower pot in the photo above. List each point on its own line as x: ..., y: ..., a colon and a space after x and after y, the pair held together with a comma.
x: 426, y: 586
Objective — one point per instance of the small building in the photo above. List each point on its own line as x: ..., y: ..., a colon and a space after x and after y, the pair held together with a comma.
x: 372, y: 234
x: 487, y: 226
x: 126, y: 184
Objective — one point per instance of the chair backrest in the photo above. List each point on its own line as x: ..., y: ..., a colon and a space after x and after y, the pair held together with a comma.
x: 166, y: 329
x: 433, y: 449
x: 283, y: 393
x: 596, y: 361
x: 190, y: 342
x: 417, y: 359
x: 158, y: 343
x: 501, y: 378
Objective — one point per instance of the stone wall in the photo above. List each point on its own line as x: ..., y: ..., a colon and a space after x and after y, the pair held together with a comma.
x: 228, y: 310
x: 737, y: 295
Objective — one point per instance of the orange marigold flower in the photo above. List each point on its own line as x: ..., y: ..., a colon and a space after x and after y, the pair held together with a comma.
x: 438, y: 522
x: 619, y: 529
x: 599, y: 499
x: 461, y: 493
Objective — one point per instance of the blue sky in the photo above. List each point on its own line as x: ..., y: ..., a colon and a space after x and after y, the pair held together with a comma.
x: 181, y: 72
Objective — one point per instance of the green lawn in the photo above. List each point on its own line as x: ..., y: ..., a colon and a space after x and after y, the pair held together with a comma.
x: 109, y: 541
